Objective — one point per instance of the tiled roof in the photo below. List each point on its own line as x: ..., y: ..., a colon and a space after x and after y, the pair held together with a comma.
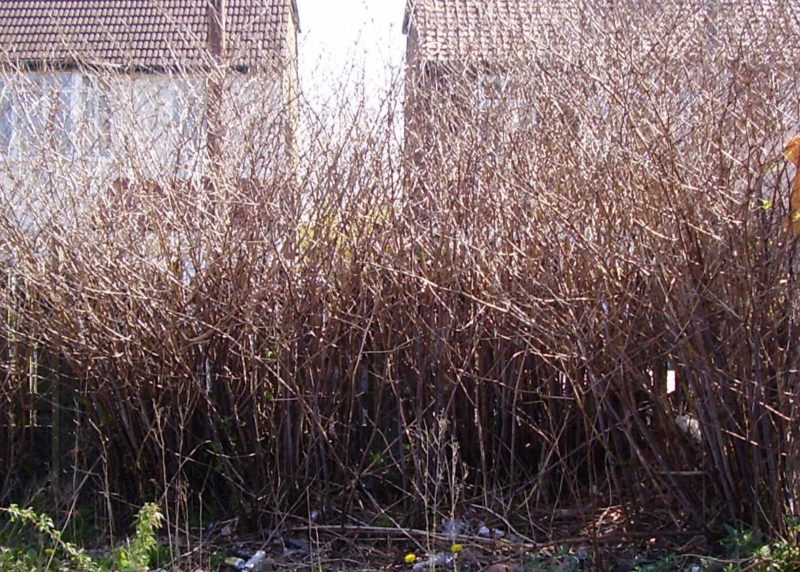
x: 488, y: 29
x: 141, y: 33
x: 492, y: 30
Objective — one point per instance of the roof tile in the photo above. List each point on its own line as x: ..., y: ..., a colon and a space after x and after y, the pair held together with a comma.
x: 487, y: 29
x: 146, y: 33
x: 492, y: 30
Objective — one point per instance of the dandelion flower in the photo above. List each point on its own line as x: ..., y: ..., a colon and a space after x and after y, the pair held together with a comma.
x: 410, y: 558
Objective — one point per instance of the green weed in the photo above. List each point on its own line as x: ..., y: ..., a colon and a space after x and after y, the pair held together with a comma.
x: 752, y: 553
x: 55, y: 553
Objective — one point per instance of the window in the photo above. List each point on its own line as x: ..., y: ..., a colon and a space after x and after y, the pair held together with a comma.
x: 66, y: 92
x: 501, y: 97
x: 98, y: 117
x: 504, y: 106
x: 493, y: 90
x: 188, y: 117
x: 6, y: 117
x: 65, y: 113
x: 32, y: 107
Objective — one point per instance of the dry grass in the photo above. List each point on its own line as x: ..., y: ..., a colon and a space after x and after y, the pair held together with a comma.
x: 485, y: 314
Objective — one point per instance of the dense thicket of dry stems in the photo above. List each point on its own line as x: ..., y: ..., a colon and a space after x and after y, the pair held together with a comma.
x: 486, y: 311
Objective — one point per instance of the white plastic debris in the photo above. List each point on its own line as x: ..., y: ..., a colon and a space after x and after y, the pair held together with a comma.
x: 690, y: 427
x: 256, y: 562
x: 452, y: 527
x: 438, y: 560
x: 490, y: 532
x: 581, y: 555
x: 672, y: 384
x: 235, y: 562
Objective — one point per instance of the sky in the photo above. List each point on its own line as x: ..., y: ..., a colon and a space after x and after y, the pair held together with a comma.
x: 340, y: 39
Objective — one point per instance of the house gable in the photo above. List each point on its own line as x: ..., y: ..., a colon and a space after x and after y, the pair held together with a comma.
x: 475, y: 30
x: 146, y: 34
x: 101, y: 80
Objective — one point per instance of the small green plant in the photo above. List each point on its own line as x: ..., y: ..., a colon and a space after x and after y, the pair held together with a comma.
x: 142, y: 546
x: 561, y: 561
x: 18, y: 560
x: 63, y: 555
x: 781, y: 555
x: 740, y: 543
x: 217, y: 559
x: 44, y: 525
x: 666, y: 563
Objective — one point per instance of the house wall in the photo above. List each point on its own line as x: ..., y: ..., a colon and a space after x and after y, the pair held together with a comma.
x: 442, y: 101
x: 412, y: 91
x: 144, y: 124
x: 291, y: 87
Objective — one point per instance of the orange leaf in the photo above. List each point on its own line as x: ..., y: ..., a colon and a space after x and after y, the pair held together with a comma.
x: 792, y: 154
x: 792, y: 151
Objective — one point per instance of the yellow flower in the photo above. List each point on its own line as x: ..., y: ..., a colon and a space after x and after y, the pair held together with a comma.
x: 410, y: 558
x: 457, y: 548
